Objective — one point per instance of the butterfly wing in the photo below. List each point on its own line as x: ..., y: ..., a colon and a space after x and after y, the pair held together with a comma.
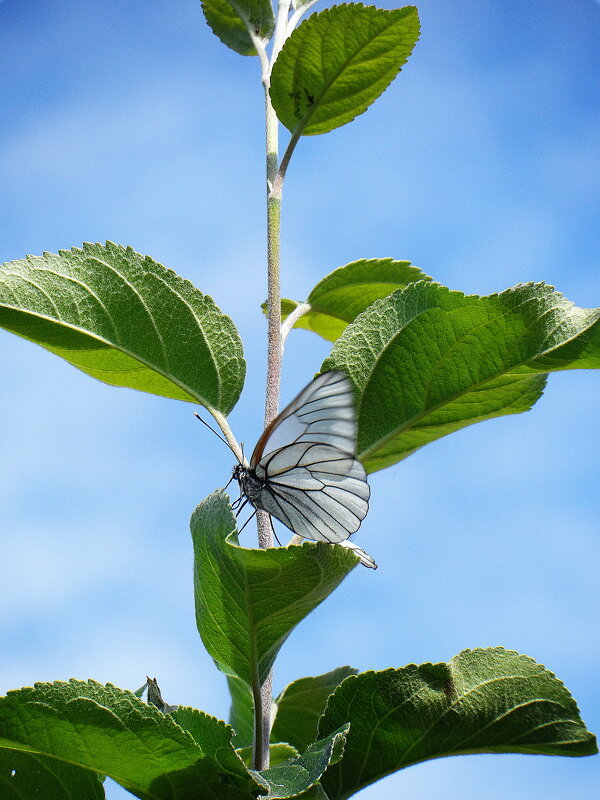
x: 313, y: 483
x: 323, y: 412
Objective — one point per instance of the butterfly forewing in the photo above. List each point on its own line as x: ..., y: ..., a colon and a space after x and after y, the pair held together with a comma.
x: 305, y: 461
x: 322, y: 412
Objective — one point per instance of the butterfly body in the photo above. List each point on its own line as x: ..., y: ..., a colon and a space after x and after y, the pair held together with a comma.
x: 250, y: 485
x: 304, y: 470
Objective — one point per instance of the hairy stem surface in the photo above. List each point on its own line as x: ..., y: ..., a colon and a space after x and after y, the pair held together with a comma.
x: 263, y: 694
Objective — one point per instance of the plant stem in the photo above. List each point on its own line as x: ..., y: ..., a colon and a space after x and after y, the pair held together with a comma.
x: 263, y: 695
x: 265, y: 533
x: 273, y: 304
x: 275, y: 176
x: 274, y: 190
x: 282, y: 28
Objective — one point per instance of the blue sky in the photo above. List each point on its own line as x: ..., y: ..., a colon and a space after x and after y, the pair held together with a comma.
x: 132, y: 122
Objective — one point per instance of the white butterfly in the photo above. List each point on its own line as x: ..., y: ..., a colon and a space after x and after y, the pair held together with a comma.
x: 303, y: 470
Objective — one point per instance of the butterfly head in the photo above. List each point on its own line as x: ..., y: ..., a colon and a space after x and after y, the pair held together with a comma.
x: 239, y: 473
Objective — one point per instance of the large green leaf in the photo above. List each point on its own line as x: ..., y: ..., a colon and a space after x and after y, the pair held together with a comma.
x: 482, y: 701
x: 110, y: 731
x: 338, y: 62
x: 232, y: 21
x: 347, y: 291
x: 426, y: 361
x: 301, y: 704
x: 299, y: 774
x: 126, y: 320
x: 249, y: 601
x: 24, y: 776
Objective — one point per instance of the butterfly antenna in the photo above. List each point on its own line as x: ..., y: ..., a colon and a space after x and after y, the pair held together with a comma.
x: 210, y: 428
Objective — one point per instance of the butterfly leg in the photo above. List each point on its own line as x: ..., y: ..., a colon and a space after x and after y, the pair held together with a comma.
x: 247, y: 521
x: 238, y: 505
x: 274, y: 532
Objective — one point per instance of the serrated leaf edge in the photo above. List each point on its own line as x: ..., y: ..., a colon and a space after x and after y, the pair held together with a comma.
x: 46, y: 254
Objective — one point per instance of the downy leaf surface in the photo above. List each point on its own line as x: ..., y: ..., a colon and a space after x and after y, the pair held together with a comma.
x: 338, y: 62
x: 482, y: 701
x: 232, y: 20
x: 215, y: 739
x: 24, y: 776
x: 113, y: 733
x: 127, y: 321
x: 426, y: 361
x: 301, y: 704
x: 249, y: 601
x: 299, y: 774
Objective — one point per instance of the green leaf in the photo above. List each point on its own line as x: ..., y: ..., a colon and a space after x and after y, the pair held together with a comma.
x: 249, y: 601
x: 347, y: 291
x: 315, y: 792
x: 482, y: 701
x: 241, y: 713
x: 426, y: 361
x: 110, y: 731
x: 338, y: 62
x: 26, y: 775
x: 127, y: 321
x: 215, y: 739
x: 301, y: 704
x: 278, y: 753
x: 232, y: 21
x: 299, y: 774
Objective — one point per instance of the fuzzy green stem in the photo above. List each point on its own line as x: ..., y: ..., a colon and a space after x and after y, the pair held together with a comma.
x: 263, y: 694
